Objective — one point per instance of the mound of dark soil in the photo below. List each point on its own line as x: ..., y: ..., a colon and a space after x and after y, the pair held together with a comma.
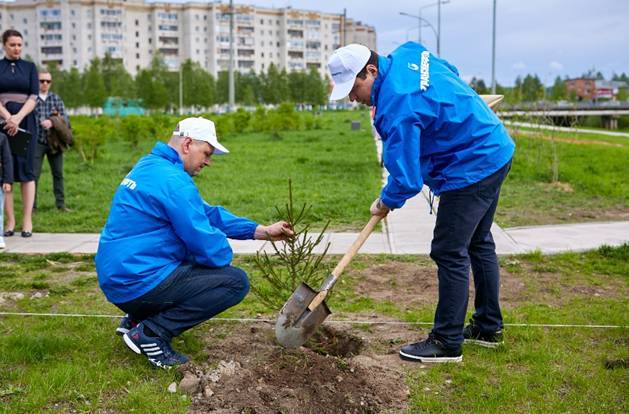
x: 248, y: 372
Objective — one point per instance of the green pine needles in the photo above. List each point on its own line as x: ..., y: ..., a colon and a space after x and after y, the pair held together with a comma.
x: 293, y: 261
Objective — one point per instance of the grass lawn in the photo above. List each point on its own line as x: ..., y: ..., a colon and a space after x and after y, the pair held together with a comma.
x: 78, y: 364
x: 336, y: 170
x: 592, y: 185
x: 333, y: 168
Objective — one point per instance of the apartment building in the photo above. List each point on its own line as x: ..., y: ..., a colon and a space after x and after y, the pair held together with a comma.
x: 73, y: 32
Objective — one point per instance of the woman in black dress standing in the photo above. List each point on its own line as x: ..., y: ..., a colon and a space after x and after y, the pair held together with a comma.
x: 19, y: 86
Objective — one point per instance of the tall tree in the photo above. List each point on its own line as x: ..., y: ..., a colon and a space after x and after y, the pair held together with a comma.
x: 532, y: 88
x: 479, y: 86
x: 93, y: 85
x: 559, y: 91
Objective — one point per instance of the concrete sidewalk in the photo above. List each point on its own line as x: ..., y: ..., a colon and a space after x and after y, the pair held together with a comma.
x: 402, y: 236
x: 406, y: 231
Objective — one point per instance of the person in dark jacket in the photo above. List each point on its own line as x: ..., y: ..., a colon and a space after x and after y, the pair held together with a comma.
x: 6, y: 179
x: 49, y: 107
x: 18, y: 97
x: 163, y: 255
x: 436, y: 130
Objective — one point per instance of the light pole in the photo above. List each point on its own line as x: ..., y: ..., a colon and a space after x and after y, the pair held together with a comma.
x: 493, y: 54
x: 422, y: 20
x: 232, y: 89
x: 180, y: 88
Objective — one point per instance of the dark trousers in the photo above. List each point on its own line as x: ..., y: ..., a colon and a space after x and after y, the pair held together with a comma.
x: 189, y: 296
x: 462, y: 236
x: 55, y: 160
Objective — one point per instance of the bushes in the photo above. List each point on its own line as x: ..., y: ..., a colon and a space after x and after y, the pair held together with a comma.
x: 90, y: 135
x: 284, y: 118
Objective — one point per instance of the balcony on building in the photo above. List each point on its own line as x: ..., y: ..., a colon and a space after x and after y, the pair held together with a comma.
x: 245, y: 64
x: 295, y: 34
x: 246, y: 53
x: 294, y: 23
x: 50, y: 26
x: 169, y: 51
x: 169, y: 40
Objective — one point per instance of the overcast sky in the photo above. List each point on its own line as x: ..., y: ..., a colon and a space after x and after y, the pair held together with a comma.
x: 546, y: 37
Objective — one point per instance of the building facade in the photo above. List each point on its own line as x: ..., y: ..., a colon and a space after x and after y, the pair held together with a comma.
x: 591, y: 89
x: 73, y: 32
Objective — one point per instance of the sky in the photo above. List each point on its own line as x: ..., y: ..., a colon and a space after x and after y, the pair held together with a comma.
x: 543, y: 37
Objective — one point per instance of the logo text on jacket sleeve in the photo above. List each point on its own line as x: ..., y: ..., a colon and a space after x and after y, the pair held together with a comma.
x: 129, y: 183
x: 424, y: 71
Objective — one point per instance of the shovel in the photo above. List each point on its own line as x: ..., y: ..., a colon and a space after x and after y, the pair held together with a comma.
x: 306, y: 309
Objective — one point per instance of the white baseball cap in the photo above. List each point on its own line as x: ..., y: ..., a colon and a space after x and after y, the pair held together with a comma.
x: 200, y: 129
x: 344, y: 64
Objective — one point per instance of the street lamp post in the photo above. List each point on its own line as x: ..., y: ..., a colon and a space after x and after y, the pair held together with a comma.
x: 426, y: 22
x: 493, y: 54
x: 232, y: 89
x: 421, y: 21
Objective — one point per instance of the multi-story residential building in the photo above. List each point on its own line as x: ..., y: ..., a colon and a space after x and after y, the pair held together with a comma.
x: 73, y: 32
x: 592, y: 89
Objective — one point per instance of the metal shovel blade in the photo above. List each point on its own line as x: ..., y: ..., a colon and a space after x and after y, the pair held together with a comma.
x: 296, y: 323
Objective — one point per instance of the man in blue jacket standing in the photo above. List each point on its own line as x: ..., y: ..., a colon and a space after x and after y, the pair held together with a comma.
x: 436, y: 130
x: 163, y: 256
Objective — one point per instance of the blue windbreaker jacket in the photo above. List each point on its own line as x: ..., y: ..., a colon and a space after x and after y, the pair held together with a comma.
x: 157, y: 221
x: 434, y: 127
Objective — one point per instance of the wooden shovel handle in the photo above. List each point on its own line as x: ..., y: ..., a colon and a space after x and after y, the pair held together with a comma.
x: 358, y: 243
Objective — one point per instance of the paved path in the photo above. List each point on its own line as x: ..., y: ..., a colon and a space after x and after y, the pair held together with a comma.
x: 406, y: 231
x: 567, y: 129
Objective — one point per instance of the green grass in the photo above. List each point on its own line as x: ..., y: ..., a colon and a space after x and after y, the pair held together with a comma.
x: 593, y: 184
x: 333, y: 168
x: 336, y: 171
x: 79, y: 365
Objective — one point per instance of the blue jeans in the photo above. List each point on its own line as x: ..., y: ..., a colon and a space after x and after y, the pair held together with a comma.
x: 462, y: 236
x: 190, y: 295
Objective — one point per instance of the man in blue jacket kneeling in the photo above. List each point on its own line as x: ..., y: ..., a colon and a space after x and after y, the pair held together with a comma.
x: 436, y: 130
x: 163, y: 256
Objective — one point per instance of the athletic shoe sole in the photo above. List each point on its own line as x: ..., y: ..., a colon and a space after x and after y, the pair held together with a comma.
x: 130, y: 344
x: 121, y: 331
x: 485, y: 344
x: 410, y: 357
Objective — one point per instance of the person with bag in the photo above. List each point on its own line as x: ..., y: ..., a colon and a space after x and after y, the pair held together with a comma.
x: 55, y: 136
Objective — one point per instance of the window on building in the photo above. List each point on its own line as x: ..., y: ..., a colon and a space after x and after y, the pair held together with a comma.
x: 137, y: 34
x: 150, y: 41
x: 25, y: 31
x: 137, y: 45
x: 73, y: 25
x: 24, y: 20
x: 137, y: 56
x: 137, y: 22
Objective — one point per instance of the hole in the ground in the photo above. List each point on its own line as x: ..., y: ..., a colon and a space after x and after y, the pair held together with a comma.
x: 329, y: 341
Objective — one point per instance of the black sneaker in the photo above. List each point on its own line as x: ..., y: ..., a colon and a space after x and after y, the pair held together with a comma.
x: 473, y: 335
x: 126, y: 324
x: 430, y: 350
x: 158, y: 351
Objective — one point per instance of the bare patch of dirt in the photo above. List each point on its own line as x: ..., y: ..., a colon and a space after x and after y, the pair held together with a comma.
x: 417, y: 284
x: 256, y: 375
x: 399, y: 282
